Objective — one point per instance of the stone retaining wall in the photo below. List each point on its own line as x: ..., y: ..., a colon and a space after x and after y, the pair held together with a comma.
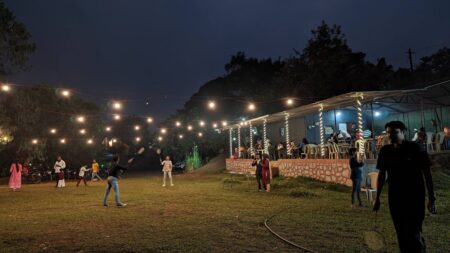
x: 327, y: 170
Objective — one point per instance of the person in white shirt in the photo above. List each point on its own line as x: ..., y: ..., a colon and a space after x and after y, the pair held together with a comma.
x: 59, y: 165
x: 167, y: 169
x: 81, y: 176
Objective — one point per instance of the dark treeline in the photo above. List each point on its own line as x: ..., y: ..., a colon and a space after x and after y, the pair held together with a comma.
x: 326, y: 67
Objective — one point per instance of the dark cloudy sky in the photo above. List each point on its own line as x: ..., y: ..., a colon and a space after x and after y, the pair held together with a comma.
x: 163, y: 51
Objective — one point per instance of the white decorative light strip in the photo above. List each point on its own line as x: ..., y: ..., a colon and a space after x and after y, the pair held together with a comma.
x: 266, y: 142
x: 322, y: 133
x: 286, y: 123
x: 360, y: 124
x: 252, y: 149
x: 231, y: 142
x: 239, y: 140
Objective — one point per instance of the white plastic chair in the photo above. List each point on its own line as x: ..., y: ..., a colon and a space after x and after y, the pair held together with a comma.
x: 439, y: 141
x: 430, y: 142
x: 373, y: 185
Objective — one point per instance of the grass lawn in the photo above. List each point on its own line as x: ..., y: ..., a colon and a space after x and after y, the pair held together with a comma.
x: 199, y: 214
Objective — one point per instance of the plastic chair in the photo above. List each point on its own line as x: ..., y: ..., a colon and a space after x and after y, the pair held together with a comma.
x: 372, y: 187
x: 439, y: 141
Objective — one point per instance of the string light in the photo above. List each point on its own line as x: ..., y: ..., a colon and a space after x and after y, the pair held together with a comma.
x: 65, y: 93
x: 360, y: 124
x: 114, y: 140
x: 239, y: 140
x: 322, y: 133
x: 81, y: 119
x: 34, y: 141
x: 200, y: 134
x: 201, y: 123
x: 117, y: 105
x: 62, y: 141
x: 149, y: 119
x: 108, y: 129
x: 137, y: 128
x: 6, y: 88
x: 117, y: 117
x: 180, y: 136
x: 286, y: 124
x: 290, y: 101
x: 231, y: 142
x: 160, y: 138
x: 252, y: 150
x: 82, y: 131
x: 89, y: 141
x: 266, y: 142
x: 163, y: 130
x: 211, y: 105
x: 189, y: 128
x: 53, y: 131
x: 178, y: 124
x: 251, y: 107
x: 224, y: 123
x: 138, y: 139
x: 214, y: 125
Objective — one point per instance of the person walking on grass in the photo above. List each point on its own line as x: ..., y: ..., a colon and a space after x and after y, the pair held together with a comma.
x: 406, y: 167
x: 266, y: 172
x: 356, y: 166
x: 258, y: 173
x: 15, y: 180
x: 59, y: 165
x: 167, y: 170
x: 95, y: 170
x: 113, y: 182
x: 81, y: 175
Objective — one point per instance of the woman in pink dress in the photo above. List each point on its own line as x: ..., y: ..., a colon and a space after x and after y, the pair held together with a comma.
x: 15, y: 180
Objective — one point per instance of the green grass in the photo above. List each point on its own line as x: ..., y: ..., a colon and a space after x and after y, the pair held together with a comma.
x: 200, y: 214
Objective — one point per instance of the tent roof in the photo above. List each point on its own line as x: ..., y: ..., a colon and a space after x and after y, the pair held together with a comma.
x: 396, y: 101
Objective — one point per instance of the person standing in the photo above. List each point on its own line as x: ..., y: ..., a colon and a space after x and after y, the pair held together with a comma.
x: 167, y: 169
x: 356, y: 166
x: 81, y: 175
x: 266, y: 172
x: 406, y: 167
x: 113, y: 182
x: 61, y: 181
x: 15, y: 180
x: 258, y: 173
x: 95, y: 170
x: 59, y: 165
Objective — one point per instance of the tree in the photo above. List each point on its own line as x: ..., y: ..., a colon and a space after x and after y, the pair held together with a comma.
x: 15, y: 43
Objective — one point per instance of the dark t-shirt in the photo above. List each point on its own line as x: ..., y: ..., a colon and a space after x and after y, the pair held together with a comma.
x: 115, y: 170
x: 258, y: 165
x: 405, y: 166
x: 357, y: 170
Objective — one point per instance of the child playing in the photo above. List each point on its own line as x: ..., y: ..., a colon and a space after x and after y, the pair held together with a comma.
x: 61, y: 182
x: 356, y: 166
x: 167, y: 169
x: 83, y: 170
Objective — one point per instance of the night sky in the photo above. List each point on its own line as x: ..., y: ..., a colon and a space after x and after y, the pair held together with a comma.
x: 163, y: 51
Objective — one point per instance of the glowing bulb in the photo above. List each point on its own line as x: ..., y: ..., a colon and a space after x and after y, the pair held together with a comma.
x: 138, y: 139
x: 53, y: 131
x: 163, y: 130
x: 65, y: 93
x: 62, y: 141
x: 251, y: 107
x: 338, y: 114
x: 200, y: 134
x: 160, y: 138
x: 34, y: 141
x: 137, y: 128
x: 117, y: 117
x: 117, y: 105
x: 108, y: 129
x: 215, y: 125
x: 178, y: 123
x: 202, y: 123
x: 81, y: 119
x: 180, y: 136
x: 377, y: 114
x: 6, y: 88
x: 82, y: 131
x: 224, y: 123
x: 189, y: 128
x: 211, y: 105
x: 149, y: 119
x: 290, y: 101
x: 114, y: 140
x: 89, y: 141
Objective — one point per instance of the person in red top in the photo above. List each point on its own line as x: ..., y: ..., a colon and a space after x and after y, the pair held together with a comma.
x: 15, y: 180
x: 266, y: 172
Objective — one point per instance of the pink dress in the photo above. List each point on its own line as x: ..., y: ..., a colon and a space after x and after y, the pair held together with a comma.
x: 15, y: 180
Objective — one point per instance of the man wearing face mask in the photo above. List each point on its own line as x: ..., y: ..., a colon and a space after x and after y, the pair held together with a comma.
x: 406, y: 166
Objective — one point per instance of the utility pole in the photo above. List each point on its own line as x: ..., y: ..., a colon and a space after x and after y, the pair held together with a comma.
x: 410, y: 53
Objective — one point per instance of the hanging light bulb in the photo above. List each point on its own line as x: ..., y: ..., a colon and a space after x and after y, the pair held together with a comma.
x: 89, y: 141
x: 6, y: 88
x: 81, y: 119
x: 117, y: 117
x: 53, y: 131
x: 108, y: 129
x: 251, y: 107
x: 178, y: 124
x: 149, y: 119
x: 117, y: 105
x: 137, y: 127
x: 190, y: 128
x: 211, y: 105
x: 62, y: 141
x: 65, y: 93
x: 163, y: 130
